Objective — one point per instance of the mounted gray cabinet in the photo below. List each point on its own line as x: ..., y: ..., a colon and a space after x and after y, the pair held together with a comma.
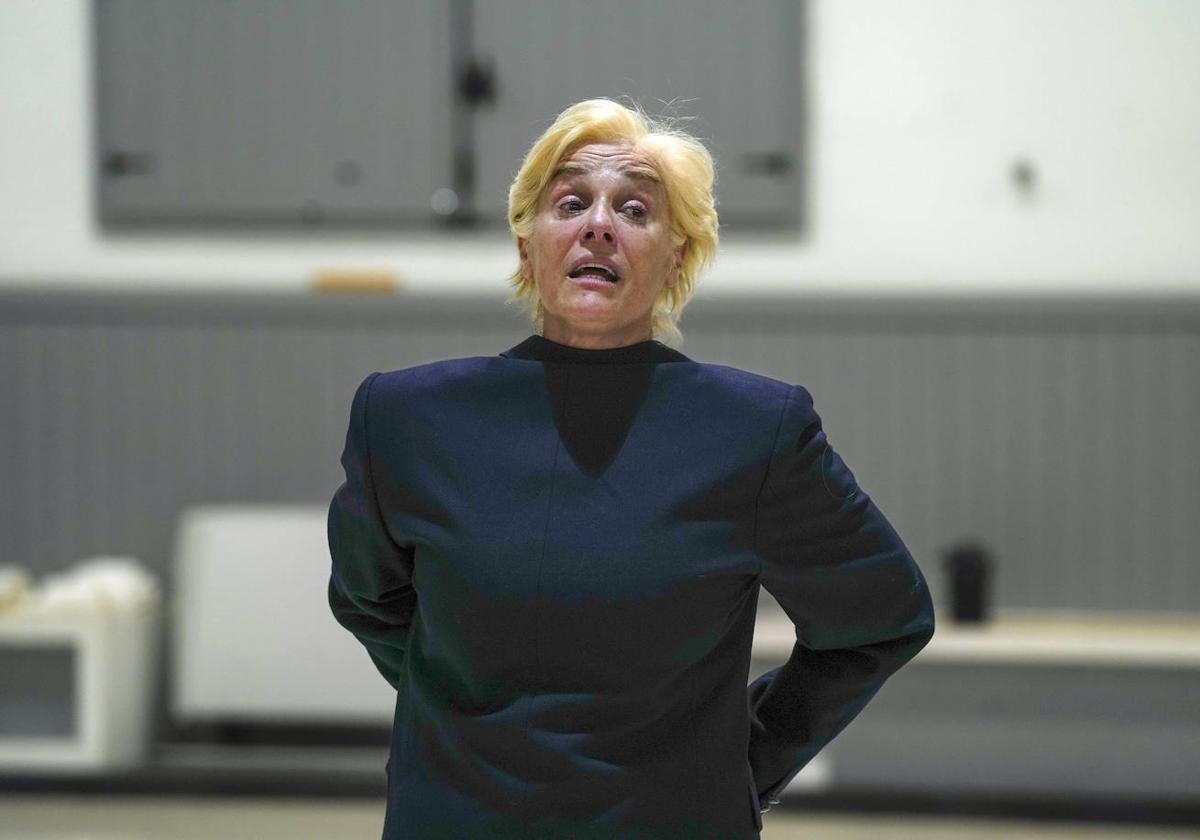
x: 401, y: 112
x: 300, y: 111
x: 735, y: 67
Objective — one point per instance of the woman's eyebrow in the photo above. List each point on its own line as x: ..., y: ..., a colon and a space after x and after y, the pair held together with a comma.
x: 641, y: 173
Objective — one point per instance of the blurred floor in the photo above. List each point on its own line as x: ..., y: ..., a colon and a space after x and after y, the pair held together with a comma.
x: 53, y: 817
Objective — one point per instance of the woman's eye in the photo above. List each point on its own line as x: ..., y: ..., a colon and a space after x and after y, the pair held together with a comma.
x: 637, y: 211
x: 571, y: 205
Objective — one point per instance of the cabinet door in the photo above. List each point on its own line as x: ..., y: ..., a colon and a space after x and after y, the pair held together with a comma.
x: 735, y: 67
x: 285, y: 111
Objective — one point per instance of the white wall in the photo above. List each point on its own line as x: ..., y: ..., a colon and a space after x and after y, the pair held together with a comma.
x: 918, y: 109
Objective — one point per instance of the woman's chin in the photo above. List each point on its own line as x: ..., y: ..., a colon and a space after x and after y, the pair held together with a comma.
x: 584, y: 299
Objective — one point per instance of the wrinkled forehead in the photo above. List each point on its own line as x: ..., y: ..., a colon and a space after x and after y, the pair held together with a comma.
x: 623, y: 159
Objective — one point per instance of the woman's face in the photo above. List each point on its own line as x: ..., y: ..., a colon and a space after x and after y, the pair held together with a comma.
x: 605, y: 207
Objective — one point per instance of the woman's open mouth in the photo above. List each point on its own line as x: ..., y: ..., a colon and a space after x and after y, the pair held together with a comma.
x: 595, y: 272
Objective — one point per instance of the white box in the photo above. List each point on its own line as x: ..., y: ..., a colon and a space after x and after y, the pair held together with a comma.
x: 111, y: 683
x: 253, y: 637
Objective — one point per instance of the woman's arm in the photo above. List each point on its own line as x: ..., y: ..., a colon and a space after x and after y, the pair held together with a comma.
x: 858, y: 599
x: 370, y: 586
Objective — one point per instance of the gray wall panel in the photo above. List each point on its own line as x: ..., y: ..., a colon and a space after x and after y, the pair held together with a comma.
x: 272, y: 110
x: 735, y: 71
x: 1038, y: 731
x: 1059, y: 435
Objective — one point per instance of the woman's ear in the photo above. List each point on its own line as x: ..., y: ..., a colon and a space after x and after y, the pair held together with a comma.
x: 523, y: 255
x: 680, y: 254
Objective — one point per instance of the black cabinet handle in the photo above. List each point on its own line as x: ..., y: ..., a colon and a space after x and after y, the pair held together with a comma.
x: 118, y: 164
x: 771, y: 163
x: 477, y: 82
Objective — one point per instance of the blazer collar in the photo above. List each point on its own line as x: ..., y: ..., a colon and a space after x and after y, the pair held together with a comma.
x: 538, y: 347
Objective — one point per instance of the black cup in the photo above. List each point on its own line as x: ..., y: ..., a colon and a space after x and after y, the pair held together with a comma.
x: 968, y: 568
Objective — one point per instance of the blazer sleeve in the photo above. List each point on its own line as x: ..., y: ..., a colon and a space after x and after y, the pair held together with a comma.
x: 370, y: 585
x: 859, y: 601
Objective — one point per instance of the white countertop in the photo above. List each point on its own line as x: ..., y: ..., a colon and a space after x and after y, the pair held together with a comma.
x: 1038, y: 637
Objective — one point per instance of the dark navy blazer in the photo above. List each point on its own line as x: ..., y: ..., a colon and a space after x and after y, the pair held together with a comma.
x: 554, y: 555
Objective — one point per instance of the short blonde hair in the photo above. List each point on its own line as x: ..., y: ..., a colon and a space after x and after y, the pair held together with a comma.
x: 687, y: 172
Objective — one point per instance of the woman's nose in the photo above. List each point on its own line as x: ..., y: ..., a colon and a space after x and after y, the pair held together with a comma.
x: 598, y: 224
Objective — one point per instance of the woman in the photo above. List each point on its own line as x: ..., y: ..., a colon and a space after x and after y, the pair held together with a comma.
x: 554, y: 554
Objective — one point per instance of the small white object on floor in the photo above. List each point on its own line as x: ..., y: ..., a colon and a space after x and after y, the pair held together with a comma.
x: 105, y: 611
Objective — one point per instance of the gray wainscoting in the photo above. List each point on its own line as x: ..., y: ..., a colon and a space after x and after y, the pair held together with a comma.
x: 1059, y: 433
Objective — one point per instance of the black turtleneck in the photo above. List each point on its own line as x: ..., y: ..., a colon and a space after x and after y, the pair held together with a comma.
x: 540, y: 348
x: 595, y: 392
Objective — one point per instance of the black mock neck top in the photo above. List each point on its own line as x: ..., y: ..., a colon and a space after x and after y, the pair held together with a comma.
x: 595, y: 392
x: 538, y: 347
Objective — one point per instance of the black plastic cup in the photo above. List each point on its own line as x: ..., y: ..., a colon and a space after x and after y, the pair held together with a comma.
x: 968, y: 568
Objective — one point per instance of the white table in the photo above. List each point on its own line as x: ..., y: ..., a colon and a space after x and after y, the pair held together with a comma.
x: 1029, y: 637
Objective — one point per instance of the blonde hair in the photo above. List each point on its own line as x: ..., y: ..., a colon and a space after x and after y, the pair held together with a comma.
x: 687, y: 173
